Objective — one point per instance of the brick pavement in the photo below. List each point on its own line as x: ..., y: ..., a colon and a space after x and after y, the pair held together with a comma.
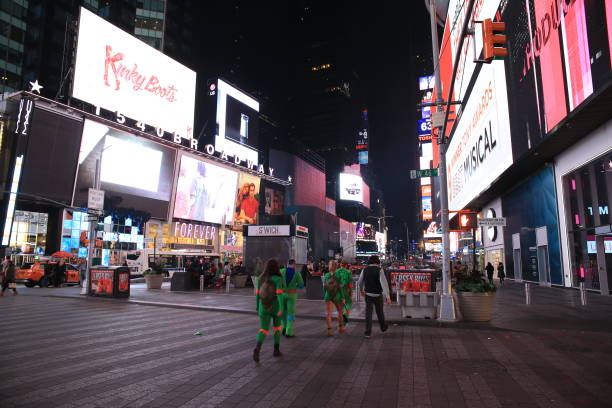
x: 62, y: 352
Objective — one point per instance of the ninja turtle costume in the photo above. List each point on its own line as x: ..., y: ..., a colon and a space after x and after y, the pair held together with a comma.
x: 294, y: 282
x: 346, y: 282
x: 336, y: 302
x: 273, y: 313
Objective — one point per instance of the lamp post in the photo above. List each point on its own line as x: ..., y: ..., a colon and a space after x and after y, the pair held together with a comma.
x: 379, y: 218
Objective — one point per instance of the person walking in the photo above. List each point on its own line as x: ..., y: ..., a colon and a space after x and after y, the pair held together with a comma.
x: 346, y: 277
x: 501, y: 274
x: 293, y: 282
x: 83, y: 271
x: 8, y: 279
x: 333, y: 295
x: 490, y: 269
x: 4, y: 264
x: 269, y: 306
x: 374, y: 287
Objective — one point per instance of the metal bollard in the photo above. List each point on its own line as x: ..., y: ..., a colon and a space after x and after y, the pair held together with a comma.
x: 527, y: 294
x: 201, y: 283
x: 227, y: 284
x: 583, y: 294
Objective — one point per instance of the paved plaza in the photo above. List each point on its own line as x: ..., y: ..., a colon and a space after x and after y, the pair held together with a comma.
x: 62, y: 351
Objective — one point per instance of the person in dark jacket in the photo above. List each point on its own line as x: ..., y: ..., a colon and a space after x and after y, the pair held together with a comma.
x: 490, y: 269
x: 375, y: 289
x: 9, y: 278
x: 501, y: 274
x: 59, y: 273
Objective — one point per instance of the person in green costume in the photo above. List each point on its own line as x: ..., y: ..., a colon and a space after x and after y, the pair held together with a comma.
x: 346, y: 278
x: 269, y: 305
x: 294, y: 281
x: 334, y: 296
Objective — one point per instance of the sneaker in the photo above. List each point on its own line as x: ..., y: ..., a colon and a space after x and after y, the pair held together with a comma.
x: 367, y: 336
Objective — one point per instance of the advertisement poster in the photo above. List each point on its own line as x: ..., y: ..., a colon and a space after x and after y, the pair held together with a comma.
x: 205, y: 192
x: 275, y: 202
x: 247, y: 199
x: 119, y: 72
x: 411, y: 281
x: 102, y: 281
x: 351, y: 187
x: 124, y: 281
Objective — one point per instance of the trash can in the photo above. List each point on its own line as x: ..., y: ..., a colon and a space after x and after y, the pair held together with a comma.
x: 110, y: 281
x: 181, y: 281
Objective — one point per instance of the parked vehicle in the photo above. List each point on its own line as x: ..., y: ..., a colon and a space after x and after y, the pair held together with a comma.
x: 32, y: 274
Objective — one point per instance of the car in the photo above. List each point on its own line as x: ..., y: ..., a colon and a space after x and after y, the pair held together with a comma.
x: 32, y: 274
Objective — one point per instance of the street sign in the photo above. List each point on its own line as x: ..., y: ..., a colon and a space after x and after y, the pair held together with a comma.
x: 424, y: 127
x: 95, y: 199
x: 492, y: 222
x: 437, y: 119
x: 423, y: 173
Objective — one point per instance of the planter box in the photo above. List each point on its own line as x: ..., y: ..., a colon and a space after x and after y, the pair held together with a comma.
x: 476, y: 307
x: 240, y: 281
x: 154, y: 281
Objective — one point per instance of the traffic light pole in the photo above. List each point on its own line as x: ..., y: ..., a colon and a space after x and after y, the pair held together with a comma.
x: 447, y: 305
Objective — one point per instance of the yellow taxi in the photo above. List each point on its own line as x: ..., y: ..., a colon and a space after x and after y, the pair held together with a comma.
x: 32, y: 274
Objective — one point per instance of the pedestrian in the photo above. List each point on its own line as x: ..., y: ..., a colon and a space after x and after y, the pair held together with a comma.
x: 490, y: 269
x: 4, y: 264
x: 269, y: 305
x: 333, y: 295
x: 374, y: 287
x: 8, y: 278
x: 346, y: 279
x: 501, y: 275
x: 60, y: 271
x: 83, y: 271
x: 293, y: 282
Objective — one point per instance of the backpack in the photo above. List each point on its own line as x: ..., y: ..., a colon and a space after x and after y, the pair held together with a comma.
x: 267, y: 293
x: 332, y: 286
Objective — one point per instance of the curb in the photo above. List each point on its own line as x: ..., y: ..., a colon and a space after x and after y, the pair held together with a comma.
x: 407, y: 322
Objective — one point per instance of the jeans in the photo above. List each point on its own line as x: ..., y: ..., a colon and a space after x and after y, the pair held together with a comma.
x: 376, y: 302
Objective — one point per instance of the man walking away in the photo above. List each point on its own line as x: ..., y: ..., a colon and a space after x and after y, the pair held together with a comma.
x: 8, y: 280
x: 501, y: 274
x: 294, y: 281
x: 374, y: 287
x: 490, y: 269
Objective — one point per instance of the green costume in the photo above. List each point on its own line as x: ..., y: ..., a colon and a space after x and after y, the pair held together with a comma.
x: 273, y: 314
x: 290, y: 298
x: 346, y: 281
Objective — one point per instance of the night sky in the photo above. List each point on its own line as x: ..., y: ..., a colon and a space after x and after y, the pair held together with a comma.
x: 388, y: 46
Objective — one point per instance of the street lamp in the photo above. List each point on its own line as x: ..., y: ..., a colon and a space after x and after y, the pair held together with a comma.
x: 379, y: 218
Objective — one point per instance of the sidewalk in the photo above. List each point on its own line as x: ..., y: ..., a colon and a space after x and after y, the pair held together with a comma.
x: 551, y: 308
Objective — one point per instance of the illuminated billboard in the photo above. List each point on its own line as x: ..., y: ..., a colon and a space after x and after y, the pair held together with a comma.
x: 351, y: 187
x: 426, y: 82
x: 247, y: 199
x: 205, y: 192
x: 237, y: 120
x: 120, y: 73
x: 480, y: 149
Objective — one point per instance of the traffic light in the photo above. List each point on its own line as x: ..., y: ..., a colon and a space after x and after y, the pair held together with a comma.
x: 493, y: 40
x: 463, y: 221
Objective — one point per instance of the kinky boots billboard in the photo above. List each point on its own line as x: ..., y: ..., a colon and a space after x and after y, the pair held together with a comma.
x: 558, y: 56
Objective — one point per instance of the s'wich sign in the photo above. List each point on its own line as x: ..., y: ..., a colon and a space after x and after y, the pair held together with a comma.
x: 116, y: 71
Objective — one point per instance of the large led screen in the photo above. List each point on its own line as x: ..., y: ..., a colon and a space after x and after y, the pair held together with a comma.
x: 118, y: 72
x: 247, y: 199
x: 205, y: 192
x: 351, y: 187
x: 237, y: 123
x: 134, y: 172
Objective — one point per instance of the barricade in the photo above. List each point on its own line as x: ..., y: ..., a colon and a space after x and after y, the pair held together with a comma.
x: 420, y: 305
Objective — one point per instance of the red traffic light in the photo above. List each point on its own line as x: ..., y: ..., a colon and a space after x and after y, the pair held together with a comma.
x: 493, y: 40
x: 463, y: 221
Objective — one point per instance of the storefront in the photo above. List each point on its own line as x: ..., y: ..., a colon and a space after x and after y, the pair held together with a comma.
x: 584, y: 177
x: 493, y: 237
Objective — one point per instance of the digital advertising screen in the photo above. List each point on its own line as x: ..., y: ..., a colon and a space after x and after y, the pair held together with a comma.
x: 274, y: 201
x: 351, y: 187
x: 247, y: 199
x: 118, y: 72
x: 237, y: 123
x: 134, y: 172
x: 205, y: 192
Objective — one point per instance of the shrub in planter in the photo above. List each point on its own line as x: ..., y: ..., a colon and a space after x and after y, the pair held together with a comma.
x: 476, y: 297
x: 154, y: 277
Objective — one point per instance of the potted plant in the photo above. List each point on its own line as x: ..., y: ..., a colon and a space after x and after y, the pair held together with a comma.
x: 476, y: 297
x: 154, y: 276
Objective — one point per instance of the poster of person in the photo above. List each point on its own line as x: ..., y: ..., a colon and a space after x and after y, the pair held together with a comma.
x: 247, y: 200
x: 101, y: 281
x: 275, y: 202
x: 204, y: 191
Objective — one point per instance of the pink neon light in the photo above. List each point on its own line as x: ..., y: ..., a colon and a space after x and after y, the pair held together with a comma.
x: 582, y: 272
x: 578, y: 53
x: 573, y: 184
x: 609, y: 22
x: 577, y: 218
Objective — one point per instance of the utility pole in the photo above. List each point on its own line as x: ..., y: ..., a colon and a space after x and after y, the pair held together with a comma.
x: 447, y: 304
